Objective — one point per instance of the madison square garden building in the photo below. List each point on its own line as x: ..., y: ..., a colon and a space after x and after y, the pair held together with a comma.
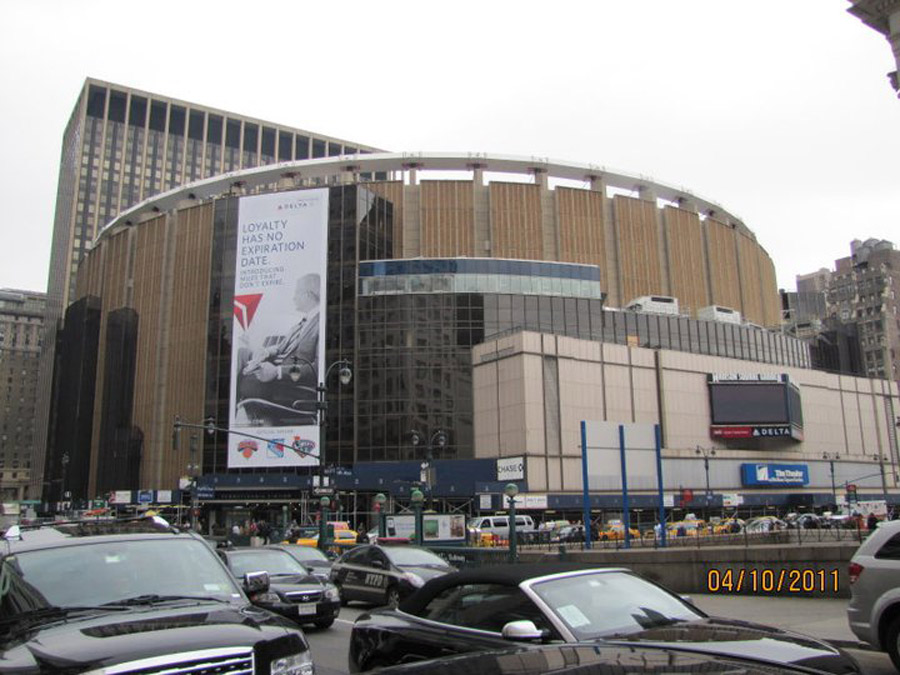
x: 483, y: 297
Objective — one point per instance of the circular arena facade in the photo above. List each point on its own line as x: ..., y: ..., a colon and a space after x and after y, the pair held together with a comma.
x: 416, y: 271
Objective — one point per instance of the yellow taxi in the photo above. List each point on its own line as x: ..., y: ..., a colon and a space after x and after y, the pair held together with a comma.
x: 686, y: 528
x: 615, y: 530
x: 341, y: 538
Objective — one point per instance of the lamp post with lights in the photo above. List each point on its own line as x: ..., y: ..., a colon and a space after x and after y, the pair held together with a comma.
x: 511, y: 490
x: 417, y: 499
x: 831, y: 458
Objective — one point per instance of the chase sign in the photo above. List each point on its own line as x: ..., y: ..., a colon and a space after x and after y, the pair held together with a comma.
x: 761, y: 475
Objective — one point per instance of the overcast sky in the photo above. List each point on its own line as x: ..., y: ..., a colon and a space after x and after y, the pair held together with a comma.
x: 779, y: 110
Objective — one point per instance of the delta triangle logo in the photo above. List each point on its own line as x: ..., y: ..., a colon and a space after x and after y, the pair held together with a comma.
x: 245, y: 308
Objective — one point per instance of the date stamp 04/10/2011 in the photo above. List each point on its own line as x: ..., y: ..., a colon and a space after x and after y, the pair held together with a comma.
x: 763, y: 580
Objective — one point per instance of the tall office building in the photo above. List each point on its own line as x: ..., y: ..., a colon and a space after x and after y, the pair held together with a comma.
x: 122, y: 146
x: 883, y: 16
x: 21, y: 321
x: 860, y: 292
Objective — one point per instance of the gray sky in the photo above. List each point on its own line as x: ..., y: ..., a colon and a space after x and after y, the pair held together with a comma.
x: 777, y: 109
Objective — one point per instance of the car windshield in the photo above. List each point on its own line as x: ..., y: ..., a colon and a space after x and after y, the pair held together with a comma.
x: 407, y: 555
x: 308, y: 555
x: 606, y: 603
x: 271, y: 561
x: 94, y: 574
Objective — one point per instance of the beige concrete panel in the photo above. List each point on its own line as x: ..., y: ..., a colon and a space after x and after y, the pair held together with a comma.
x: 687, y: 413
x: 582, y: 235
x: 447, y: 218
x: 722, y: 264
x: 823, y: 420
x: 646, y: 403
x: 643, y: 358
x: 572, y: 470
x: 617, y: 391
x: 751, y: 284
x: 638, y: 247
x: 536, y: 472
x: 581, y: 398
x: 869, y: 409
x: 771, y: 301
x: 615, y: 353
x: 687, y: 271
x: 516, y: 221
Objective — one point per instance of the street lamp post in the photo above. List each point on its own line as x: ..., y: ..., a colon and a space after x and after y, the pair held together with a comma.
x: 707, y: 453
x: 437, y: 440
x: 881, y: 459
x: 345, y: 374
x: 832, y: 457
x: 511, y: 490
x: 417, y: 498
x: 380, y: 501
x: 324, y: 502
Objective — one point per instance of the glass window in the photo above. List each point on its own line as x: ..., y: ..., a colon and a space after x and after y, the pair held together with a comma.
x: 195, y: 126
x: 214, y: 129
x: 891, y: 549
x: 302, y: 147
x: 334, y: 149
x: 158, y: 116
x: 268, y: 142
x: 486, y: 607
x: 318, y: 147
x: 117, y: 103
x: 177, y: 115
x: 96, y: 103
x: 251, y: 137
x: 137, y: 116
x: 285, y: 146
x: 233, y: 134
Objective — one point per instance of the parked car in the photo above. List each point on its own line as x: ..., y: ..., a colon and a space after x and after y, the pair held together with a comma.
x: 615, y: 531
x: 316, y: 563
x: 568, y: 534
x: 874, y: 608
x: 594, y: 659
x: 499, y: 525
x: 385, y: 574
x: 293, y: 592
x: 487, y: 608
x: 729, y: 526
x: 107, y: 596
x: 765, y: 524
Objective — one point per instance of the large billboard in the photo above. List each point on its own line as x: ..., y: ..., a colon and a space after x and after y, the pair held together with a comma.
x: 278, y: 329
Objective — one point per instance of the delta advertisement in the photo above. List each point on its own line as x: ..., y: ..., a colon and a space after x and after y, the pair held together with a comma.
x: 278, y: 329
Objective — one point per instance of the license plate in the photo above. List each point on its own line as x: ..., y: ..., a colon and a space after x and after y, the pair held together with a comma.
x: 306, y: 609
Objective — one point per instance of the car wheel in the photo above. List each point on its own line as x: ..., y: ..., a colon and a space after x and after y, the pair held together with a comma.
x: 392, y: 596
x: 892, y: 642
x: 325, y: 624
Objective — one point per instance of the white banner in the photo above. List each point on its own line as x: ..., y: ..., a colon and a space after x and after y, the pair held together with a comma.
x: 279, y: 328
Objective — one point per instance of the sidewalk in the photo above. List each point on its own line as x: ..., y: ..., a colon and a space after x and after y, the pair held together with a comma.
x: 824, y: 618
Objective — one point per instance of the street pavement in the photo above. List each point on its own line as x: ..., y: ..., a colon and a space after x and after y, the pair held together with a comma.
x: 824, y: 618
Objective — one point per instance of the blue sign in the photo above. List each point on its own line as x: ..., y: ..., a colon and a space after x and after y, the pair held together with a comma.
x: 761, y: 475
x: 206, y: 492
x: 145, y: 497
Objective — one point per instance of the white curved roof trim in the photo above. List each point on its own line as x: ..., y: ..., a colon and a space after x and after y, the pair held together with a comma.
x: 395, y: 162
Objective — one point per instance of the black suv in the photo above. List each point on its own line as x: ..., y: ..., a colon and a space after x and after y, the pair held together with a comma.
x: 128, y: 597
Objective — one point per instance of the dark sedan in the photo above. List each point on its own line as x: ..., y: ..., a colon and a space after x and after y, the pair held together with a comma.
x: 316, y: 562
x: 589, y: 660
x: 385, y: 575
x: 293, y: 592
x: 492, y: 608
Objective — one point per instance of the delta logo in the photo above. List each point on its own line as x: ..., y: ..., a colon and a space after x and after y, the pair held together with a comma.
x: 245, y: 307
x: 290, y: 206
x: 248, y: 448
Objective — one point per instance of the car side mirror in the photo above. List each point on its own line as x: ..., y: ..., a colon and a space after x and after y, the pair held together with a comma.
x: 256, y: 582
x: 523, y: 631
x: 378, y: 563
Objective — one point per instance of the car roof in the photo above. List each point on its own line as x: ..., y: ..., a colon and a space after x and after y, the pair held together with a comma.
x: 504, y: 575
x: 77, y: 533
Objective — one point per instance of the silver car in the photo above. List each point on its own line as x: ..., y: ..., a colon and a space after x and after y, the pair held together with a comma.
x: 874, y: 609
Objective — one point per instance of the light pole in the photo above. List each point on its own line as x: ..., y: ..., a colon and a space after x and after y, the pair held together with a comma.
x: 417, y: 498
x: 439, y: 440
x: 345, y: 374
x: 881, y: 459
x: 707, y: 453
x: 511, y: 490
x: 323, y: 523
x: 380, y: 501
x: 831, y: 457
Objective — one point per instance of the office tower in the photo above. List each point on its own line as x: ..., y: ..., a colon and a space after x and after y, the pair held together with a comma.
x: 122, y: 146
x: 883, y: 16
x: 21, y: 321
